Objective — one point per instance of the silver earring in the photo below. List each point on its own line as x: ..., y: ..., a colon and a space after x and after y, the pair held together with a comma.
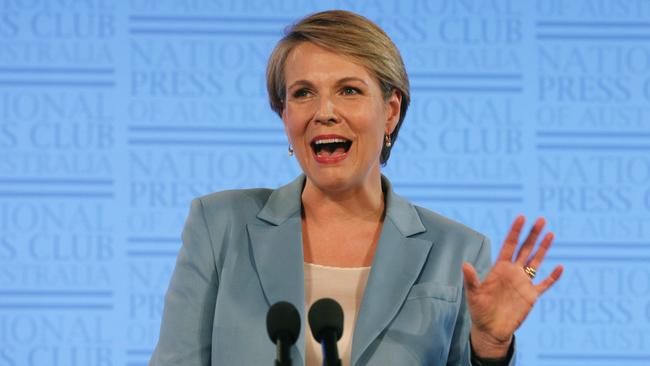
x: 387, y: 141
x: 290, y: 150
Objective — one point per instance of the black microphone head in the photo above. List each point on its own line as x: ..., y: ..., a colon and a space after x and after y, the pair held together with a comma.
x: 283, y: 318
x: 326, y: 314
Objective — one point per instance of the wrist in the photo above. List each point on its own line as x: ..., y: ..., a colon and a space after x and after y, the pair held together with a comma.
x: 488, y: 346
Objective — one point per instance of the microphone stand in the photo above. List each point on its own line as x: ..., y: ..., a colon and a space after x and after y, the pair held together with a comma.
x: 330, y: 349
x: 283, y: 357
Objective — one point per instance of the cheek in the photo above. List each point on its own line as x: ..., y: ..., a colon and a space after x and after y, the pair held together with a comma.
x: 292, y: 124
x: 295, y: 119
x: 372, y: 126
x: 373, y: 138
x: 293, y: 135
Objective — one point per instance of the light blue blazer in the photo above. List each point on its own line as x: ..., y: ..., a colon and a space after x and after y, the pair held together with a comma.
x: 242, y: 252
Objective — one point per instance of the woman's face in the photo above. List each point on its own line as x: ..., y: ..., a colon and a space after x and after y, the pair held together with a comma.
x: 335, y: 116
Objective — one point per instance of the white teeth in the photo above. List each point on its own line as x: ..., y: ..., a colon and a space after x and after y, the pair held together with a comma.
x: 328, y: 141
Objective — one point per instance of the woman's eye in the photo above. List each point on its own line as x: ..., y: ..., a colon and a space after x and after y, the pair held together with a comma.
x: 348, y: 90
x: 301, y: 93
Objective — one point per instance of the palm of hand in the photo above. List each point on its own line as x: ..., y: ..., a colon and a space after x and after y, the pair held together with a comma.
x: 503, y: 300
x: 499, y: 304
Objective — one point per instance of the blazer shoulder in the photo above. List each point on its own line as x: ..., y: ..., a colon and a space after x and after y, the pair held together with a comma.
x: 222, y: 218
x: 440, y: 226
x: 235, y: 203
x: 455, y: 240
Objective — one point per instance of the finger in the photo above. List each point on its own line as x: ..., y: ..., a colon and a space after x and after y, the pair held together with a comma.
x: 550, y: 280
x: 529, y: 243
x: 538, y: 257
x: 510, y: 243
x: 470, y: 277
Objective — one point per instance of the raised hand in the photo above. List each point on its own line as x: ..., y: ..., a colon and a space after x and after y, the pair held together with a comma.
x: 500, y: 303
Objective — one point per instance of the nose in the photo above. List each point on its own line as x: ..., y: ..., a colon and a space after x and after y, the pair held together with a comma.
x: 325, y: 113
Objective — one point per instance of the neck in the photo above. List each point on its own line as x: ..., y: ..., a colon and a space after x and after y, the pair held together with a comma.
x: 365, y: 202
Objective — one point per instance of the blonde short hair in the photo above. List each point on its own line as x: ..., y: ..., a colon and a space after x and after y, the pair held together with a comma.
x: 351, y: 35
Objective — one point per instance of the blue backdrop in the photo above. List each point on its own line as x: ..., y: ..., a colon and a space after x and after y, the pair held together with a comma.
x: 114, y: 115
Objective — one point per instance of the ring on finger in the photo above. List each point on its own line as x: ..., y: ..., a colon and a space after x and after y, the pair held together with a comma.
x: 530, y: 271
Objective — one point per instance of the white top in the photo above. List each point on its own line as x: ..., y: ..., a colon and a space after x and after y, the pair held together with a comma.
x: 345, y: 285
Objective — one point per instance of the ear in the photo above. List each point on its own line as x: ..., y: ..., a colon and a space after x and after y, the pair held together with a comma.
x: 393, y: 110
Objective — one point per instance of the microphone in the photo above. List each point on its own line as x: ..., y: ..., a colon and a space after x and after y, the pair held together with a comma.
x: 283, y: 326
x: 326, y: 322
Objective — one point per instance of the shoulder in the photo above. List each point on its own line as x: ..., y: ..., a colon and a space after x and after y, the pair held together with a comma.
x: 450, y: 235
x: 220, y: 219
x: 425, y: 224
x: 234, y: 203
x: 441, y: 225
x: 455, y: 243
x: 226, y: 213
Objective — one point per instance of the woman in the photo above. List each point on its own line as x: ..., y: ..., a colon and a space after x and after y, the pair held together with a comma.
x: 407, y: 277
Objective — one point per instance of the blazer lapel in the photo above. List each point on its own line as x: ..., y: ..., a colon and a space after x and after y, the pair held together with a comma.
x: 396, y: 266
x: 276, y: 244
x: 278, y: 256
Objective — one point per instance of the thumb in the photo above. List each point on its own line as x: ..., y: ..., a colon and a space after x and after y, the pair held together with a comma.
x: 470, y: 277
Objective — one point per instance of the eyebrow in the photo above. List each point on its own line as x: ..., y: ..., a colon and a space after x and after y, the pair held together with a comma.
x: 351, y: 78
x: 338, y: 82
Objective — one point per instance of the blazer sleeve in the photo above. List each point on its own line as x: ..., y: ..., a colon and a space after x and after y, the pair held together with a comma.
x: 186, y: 329
x: 460, y: 350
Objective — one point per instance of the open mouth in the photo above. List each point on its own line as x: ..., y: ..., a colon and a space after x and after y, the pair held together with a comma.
x: 331, y: 147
